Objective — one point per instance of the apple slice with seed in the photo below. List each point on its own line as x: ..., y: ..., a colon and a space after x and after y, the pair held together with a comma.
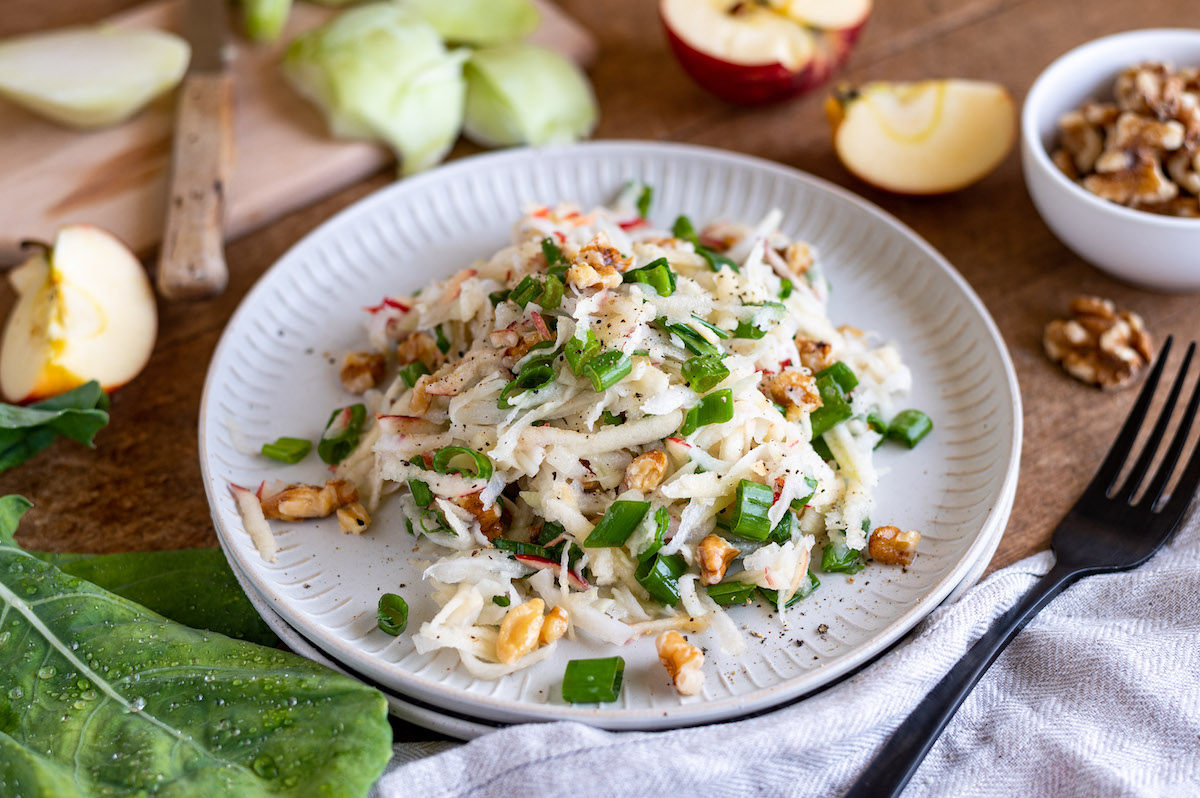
x: 84, y: 311
x: 929, y: 137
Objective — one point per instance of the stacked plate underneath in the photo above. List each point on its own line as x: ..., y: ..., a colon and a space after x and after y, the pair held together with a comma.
x: 271, y: 376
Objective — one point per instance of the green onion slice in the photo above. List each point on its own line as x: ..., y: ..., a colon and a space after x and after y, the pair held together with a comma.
x: 421, y: 493
x: 526, y: 291
x: 579, y: 352
x: 530, y: 379
x: 727, y: 594
x: 783, y: 531
x: 909, y: 427
x: 693, y: 341
x: 839, y: 558
x: 341, y: 433
x: 704, y: 372
x: 786, y: 288
x: 806, y: 589
x: 684, y: 229
x: 753, y: 500
x: 501, y: 601
x: 612, y: 419
x: 443, y: 462
x: 717, y: 331
x: 715, y: 408
x: 498, y: 296
x: 527, y: 549
x: 834, y: 408
x: 392, y: 614
x: 607, y: 369
x: 556, y: 263
x: 550, y: 531
x: 799, y: 502
x: 413, y: 372
x: 618, y: 523
x: 552, y: 293
x: 443, y: 343
x: 841, y: 374
x: 645, y: 198
x: 587, y: 681
x: 287, y: 450
x: 657, y: 274
x: 660, y: 576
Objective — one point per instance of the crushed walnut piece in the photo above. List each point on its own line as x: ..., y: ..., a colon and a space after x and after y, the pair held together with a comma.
x: 890, y: 546
x: 490, y: 523
x: 599, y: 264
x: 646, y: 471
x: 353, y: 518
x: 362, y: 371
x: 715, y: 556
x: 793, y: 389
x: 420, y: 346
x: 683, y: 661
x: 298, y: 501
x: 1099, y: 344
x: 1142, y: 151
x: 814, y: 355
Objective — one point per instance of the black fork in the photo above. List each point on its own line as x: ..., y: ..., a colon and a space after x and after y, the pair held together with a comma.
x: 1111, y: 528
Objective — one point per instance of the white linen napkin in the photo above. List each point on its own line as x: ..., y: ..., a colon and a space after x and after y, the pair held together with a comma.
x: 1098, y: 696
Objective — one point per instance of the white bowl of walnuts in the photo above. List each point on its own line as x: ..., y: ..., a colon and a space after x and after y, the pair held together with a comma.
x: 1110, y: 144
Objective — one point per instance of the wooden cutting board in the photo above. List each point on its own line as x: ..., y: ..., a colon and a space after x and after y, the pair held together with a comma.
x: 116, y: 177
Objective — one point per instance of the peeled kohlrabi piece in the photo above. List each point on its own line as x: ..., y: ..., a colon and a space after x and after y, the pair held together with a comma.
x: 381, y: 72
x: 478, y: 22
x: 91, y: 77
x: 522, y: 94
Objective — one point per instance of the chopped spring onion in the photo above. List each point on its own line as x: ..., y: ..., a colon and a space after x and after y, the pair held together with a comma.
x: 618, y: 523
x: 728, y: 594
x: 578, y: 352
x: 799, y: 502
x: 501, y: 601
x: 530, y: 379
x: 715, y: 408
x: 443, y: 462
x: 550, y: 531
x: 607, y: 369
x: 526, y: 291
x: 747, y: 330
x: 413, y: 372
x: 834, y: 408
x: 552, y: 294
x: 875, y: 422
x: 750, y: 511
x: 531, y: 360
x: 611, y: 419
x: 783, y: 531
x: 704, y: 372
x: 392, y: 614
x: 684, y: 230
x: 806, y: 589
x: 841, y: 374
x: 656, y: 274
x: 525, y: 549
x: 645, y: 198
x: 556, y: 263
x: 287, y: 450
x: 587, y: 681
x: 909, y: 427
x: 693, y: 341
x: 661, y: 519
x: 786, y: 288
x: 432, y: 521
x: 421, y: 493
x: 838, y: 558
x: 443, y: 343
x: 498, y: 296
x: 717, y: 331
x: 660, y: 576
x: 822, y: 449
x: 341, y: 433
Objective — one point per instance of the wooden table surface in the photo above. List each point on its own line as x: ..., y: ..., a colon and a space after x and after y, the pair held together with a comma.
x: 141, y: 488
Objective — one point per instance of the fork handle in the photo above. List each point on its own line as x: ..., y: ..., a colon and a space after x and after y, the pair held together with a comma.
x: 898, y: 759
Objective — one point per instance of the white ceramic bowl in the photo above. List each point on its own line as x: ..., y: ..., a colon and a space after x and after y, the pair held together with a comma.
x: 1159, y: 252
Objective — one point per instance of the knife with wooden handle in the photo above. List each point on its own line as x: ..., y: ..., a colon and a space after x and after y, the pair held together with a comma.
x: 191, y: 263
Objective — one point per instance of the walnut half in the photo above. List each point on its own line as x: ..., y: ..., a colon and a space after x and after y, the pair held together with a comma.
x: 1099, y: 344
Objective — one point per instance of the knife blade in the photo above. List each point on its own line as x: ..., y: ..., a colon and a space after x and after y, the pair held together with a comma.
x: 191, y: 262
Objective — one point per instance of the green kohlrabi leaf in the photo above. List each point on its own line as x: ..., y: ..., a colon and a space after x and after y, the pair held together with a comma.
x: 522, y: 94
x: 100, y: 696
x: 382, y: 72
x: 478, y: 22
x: 25, y: 431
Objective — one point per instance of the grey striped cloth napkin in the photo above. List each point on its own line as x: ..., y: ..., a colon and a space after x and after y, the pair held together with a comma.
x: 1099, y: 696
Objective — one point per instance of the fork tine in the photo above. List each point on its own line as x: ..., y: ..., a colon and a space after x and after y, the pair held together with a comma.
x: 1099, y: 486
x: 1127, y: 491
x: 1191, y: 475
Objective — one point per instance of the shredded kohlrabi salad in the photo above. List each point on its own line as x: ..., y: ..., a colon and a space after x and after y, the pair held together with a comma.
x: 642, y: 428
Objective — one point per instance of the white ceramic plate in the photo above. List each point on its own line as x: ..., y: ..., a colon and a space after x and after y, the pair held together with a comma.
x: 274, y: 373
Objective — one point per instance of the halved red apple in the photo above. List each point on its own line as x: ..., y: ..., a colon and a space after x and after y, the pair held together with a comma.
x: 84, y: 311
x: 929, y: 137
x: 750, y: 53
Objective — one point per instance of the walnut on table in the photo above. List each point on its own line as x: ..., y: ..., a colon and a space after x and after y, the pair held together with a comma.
x: 1099, y: 344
